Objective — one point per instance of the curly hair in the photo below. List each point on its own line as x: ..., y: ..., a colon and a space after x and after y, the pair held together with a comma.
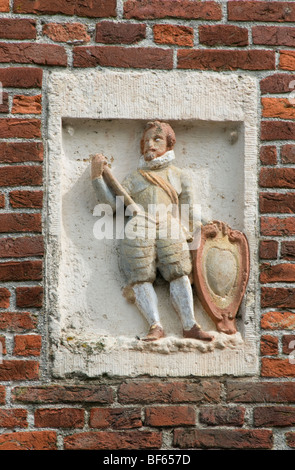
x: 164, y: 127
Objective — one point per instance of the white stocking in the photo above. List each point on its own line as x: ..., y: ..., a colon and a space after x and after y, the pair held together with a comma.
x: 182, y: 300
x: 147, y: 302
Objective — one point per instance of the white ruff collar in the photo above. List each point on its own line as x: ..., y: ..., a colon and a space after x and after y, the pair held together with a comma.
x: 159, y: 162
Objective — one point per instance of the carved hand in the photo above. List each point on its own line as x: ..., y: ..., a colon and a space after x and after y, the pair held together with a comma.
x: 97, y: 165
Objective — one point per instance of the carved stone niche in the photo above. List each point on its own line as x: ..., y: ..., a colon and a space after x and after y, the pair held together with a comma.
x: 93, y: 330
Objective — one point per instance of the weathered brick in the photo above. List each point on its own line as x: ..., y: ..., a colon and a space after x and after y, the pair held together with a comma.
x: 288, y: 344
x: 274, y: 367
x: 277, y: 297
x: 13, y: 418
x: 109, y: 32
x: 268, y: 249
x: 277, y: 202
x: 59, y: 418
x: 64, y: 394
x: 2, y: 201
x: 288, y: 154
x: 278, y: 321
x: 187, y: 9
x: 260, y: 392
x: 16, y: 152
x: 277, y: 178
x: 19, y: 370
x: 4, y: 105
x: 273, y: 35
x: 115, y: 418
x: 29, y: 297
x: 105, y: 440
x: 20, y: 223
x: 277, y: 226
x: 173, y: 392
x: 3, y: 350
x: 4, y: 6
x: 23, y: 104
x: 288, y: 250
x: 22, y: 128
x: 21, y: 247
x: 4, y: 297
x: 26, y: 198
x: 27, y: 345
x: 290, y: 439
x: 97, y: 8
x: 33, y: 53
x: 277, y: 130
x: 21, y: 175
x: 222, y: 415
x: 223, y: 439
x: 261, y: 11
x: 11, y: 28
x: 21, y: 271
x: 278, y: 83
x: 274, y: 416
x: 160, y: 416
x: 173, y: 34
x: 284, y: 272
x: 119, y: 56
x: 21, y: 77
x: 66, y: 32
x: 223, y: 35
x: 269, y: 345
x: 17, y: 322
x: 287, y: 60
x: 225, y: 59
x: 28, y: 440
x: 2, y: 394
x: 280, y: 108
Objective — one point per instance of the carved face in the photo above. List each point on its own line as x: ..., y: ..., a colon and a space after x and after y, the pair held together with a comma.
x: 154, y: 143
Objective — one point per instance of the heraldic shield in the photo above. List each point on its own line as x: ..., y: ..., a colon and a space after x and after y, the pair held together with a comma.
x: 220, y: 273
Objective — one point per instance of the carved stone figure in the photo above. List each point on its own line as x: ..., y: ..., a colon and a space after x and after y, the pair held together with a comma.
x: 157, y: 181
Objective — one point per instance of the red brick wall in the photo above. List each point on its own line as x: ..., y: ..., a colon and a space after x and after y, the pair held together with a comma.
x: 255, y: 37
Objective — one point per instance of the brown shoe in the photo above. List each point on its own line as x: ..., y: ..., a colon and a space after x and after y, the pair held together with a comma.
x: 155, y: 332
x: 196, y: 333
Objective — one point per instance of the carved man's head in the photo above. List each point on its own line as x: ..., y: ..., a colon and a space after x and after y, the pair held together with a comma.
x: 158, y: 138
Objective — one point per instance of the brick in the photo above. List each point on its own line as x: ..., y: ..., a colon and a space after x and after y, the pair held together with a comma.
x: 277, y: 226
x: 21, y: 247
x: 13, y: 418
x: 277, y: 178
x: 277, y: 83
x: 277, y: 130
x: 21, y: 271
x: 104, y: 440
x: 284, y: 272
x: 4, y: 297
x: 223, y: 439
x: 119, y: 33
x: 226, y: 59
x: 2, y: 394
x: 274, y: 35
x: 21, y: 175
x: 288, y: 250
x: 29, y: 297
x: 278, y: 321
x: 23, y: 104
x: 187, y: 9
x: 116, y: 56
x: 223, y: 35
x: 287, y: 60
x: 26, y: 198
x: 160, y: 416
x: 92, y: 9
x: 268, y: 249
x: 21, y: 128
x: 4, y: 105
x: 273, y: 367
x: 17, y: 28
x: 261, y: 11
x: 277, y: 297
x: 274, y: 416
x: 59, y: 418
x: 174, y: 392
x: 20, y: 223
x: 33, y: 53
x: 288, y: 154
x: 17, y: 152
x: 29, y: 440
x: 277, y: 202
x: 27, y: 345
x: 17, y: 322
x: 4, y: 6
x: 2, y: 346
x: 269, y: 345
x: 21, y: 77
x: 222, y: 415
x: 115, y: 418
x: 64, y: 394
x: 173, y: 34
x: 290, y: 438
x: 19, y: 370
x: 288, y: 344
x: 66, y: 32
x: 280, y: 108
x: 2, y: 201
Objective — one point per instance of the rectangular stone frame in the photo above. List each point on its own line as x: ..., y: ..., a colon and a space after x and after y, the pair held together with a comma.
x: 177, y: 96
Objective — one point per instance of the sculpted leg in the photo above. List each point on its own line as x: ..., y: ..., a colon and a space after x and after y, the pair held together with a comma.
x: 182, y: 300
x: 147, y: 303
